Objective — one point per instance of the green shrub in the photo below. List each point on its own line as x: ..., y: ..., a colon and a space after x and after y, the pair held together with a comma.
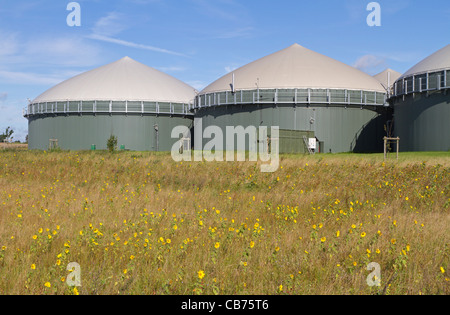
x: 111, y: 144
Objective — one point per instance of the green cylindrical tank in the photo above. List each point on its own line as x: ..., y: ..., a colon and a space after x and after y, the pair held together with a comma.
x: 137, y: 104
x: 300, y: 90
x: 421, y: 103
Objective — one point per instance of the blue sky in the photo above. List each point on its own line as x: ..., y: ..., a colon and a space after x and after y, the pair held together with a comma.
x: 198, y: 41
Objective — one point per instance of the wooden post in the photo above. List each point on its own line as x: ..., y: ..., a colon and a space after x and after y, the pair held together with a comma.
x: 386, y: 139
x: 385, y: 148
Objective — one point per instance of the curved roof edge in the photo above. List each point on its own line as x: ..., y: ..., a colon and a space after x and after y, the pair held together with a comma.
x: 439, y: 60
x: 122, y: 80
x: 296, y: 67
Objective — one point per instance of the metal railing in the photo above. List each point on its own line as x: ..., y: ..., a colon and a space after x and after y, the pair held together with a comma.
x: 108, y: 107
x: 292, y: 96
x: 422, y: 82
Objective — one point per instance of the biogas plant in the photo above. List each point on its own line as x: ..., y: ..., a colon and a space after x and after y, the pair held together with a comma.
x: 319, y: 105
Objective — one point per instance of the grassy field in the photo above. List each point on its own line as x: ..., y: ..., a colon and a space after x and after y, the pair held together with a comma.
x: 139, y: 223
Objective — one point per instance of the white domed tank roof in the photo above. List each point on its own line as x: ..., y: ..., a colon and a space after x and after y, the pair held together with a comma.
x: 438, y: 61
x: 296, y: 67
x: 123, y: 80
x: 387, y: 77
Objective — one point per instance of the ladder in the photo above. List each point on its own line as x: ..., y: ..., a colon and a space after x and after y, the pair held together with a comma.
x: 307, y: 145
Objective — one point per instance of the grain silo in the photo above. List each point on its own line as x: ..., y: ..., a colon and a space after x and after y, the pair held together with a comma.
x: 134, y: 102
x: 307, y: 95
x: 421, y: 103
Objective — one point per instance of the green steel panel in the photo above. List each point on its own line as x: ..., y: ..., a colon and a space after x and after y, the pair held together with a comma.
x: 76, y: 132
x: 422, y: 122
x: 340, y: 129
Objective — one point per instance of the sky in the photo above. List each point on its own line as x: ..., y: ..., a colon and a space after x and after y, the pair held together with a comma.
x: 198, y: 41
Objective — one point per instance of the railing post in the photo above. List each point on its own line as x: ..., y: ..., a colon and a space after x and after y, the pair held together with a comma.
x: 445, y: 79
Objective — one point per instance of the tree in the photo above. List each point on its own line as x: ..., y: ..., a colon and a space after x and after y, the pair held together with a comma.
x: 111, y: 144
x: 7, y: 135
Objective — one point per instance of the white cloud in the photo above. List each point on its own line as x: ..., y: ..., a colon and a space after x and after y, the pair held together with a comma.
x: 64, y: 51
x: 110, y: 25
x: 107, y: 28
x: 132, y: 44
x: 231, y: 19
x: 393, y: 7
x: 402, y: 56
x: 3, y: 96
x: 25, y: 78
x: 369, y: 63
x: 236, y: 33
x: 9, y: 44
x: 12, y: 115
x: 19, y: 52
x: 224, y: 9
x: 44, y: 60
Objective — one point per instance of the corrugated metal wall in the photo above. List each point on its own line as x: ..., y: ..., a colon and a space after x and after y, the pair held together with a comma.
x: 75, y: 132
x: 423, y: 122
x: 340, y: 129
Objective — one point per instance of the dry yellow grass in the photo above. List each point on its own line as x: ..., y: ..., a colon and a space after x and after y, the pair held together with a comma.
x: 14, y: 146
x: 139, y: 223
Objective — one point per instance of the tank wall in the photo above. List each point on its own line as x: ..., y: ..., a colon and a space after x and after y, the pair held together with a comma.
x: 423, y: 122
x: 136, y: 133
x: 341, y: 129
